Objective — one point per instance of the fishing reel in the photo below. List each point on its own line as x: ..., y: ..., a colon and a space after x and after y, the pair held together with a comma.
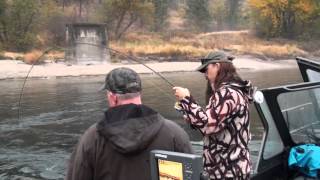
x: 178, y: 107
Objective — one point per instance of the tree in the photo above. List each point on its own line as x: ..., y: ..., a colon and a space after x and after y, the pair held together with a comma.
x: 120, y: 15
x: 219, y: 14
x: 198, y: 15
x: 17, y: 24
x: 284, y: 18
x: 52, y: 23
x: 160, y: 13
x: 233, y: 10
x: 3, y: 23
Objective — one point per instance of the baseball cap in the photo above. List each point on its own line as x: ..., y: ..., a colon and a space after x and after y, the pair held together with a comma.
x: 214, y: 57
x: 122, y: 81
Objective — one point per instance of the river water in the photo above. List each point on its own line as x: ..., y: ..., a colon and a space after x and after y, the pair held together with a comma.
x: 56, y: 111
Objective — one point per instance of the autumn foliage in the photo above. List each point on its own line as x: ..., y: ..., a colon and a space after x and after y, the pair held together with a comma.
x: 285, y: 18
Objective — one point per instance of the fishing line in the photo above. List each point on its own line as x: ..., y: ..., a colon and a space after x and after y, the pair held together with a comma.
x: 25, y: 80
x: 110, y: 49
x: 163, y: 91
x: 134, y: 59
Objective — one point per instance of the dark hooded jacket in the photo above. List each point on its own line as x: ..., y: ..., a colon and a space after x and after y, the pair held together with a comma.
x: 118, y: 147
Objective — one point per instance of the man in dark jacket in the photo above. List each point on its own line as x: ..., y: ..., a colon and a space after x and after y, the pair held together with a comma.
x: 118, y: 147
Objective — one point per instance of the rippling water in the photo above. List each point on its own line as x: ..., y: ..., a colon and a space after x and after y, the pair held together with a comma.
x: 55, y: 112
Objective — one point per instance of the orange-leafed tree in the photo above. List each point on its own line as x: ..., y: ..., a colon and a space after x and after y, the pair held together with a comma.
x: 284, y: 18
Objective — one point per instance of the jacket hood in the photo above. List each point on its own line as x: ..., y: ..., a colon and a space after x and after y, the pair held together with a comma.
x: 245, y: 86
x: 130, y: 128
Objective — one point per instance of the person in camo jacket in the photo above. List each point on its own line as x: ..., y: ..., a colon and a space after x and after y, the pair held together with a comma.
x: 224, y: 123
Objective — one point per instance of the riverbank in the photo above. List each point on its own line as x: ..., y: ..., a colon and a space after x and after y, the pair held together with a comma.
x: 187, y: 46
x: 16, y: 69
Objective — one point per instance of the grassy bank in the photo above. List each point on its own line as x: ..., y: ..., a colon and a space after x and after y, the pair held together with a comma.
x: 187, y: 46
x: 184, y: 46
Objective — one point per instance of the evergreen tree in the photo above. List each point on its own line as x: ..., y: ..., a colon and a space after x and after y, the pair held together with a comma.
x: 160, y: 13
x: 233, y: 10
x: 198, y: 15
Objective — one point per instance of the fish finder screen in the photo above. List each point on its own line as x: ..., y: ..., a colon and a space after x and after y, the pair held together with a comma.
x: 169, y: 170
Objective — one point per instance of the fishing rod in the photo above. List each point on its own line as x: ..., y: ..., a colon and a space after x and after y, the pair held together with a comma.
x: 29, y: 71
x: 108, y: 48
x: 176, y: 105
x: 134, y: 59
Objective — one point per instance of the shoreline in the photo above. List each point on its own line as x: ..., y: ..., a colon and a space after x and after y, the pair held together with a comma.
x: 18, y: 70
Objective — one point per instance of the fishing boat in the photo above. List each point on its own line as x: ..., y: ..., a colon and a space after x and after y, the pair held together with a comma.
x: 290, y: 115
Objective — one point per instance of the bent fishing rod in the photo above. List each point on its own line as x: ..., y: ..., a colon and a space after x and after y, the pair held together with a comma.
x: 29, y: 71
x: 131, y: 57
x: 138, y: 61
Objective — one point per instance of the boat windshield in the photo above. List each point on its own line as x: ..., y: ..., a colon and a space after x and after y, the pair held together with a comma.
x: 301, y: 112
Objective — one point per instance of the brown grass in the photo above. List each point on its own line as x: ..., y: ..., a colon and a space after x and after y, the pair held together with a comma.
x: 194, y: 45
x: 55, y: 55
x: 33, y: 57
x: 188, y: 46
x: 13, y: 55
